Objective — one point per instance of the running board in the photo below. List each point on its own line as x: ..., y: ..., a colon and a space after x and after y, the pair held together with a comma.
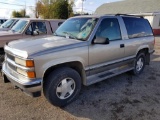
x: 107, y: 74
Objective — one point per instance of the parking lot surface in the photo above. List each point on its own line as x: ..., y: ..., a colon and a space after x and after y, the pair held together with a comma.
x: 124, y: 97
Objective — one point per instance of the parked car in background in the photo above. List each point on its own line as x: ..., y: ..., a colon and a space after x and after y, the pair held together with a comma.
x: 9, y: 24
x: 2, y: 21
x: 26, y: 28
x: 82, y: 51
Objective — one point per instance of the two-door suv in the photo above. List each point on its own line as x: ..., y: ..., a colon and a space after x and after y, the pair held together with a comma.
x: 82, y: 51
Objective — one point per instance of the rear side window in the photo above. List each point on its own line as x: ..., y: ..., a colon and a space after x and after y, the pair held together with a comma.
x: 137, y: 27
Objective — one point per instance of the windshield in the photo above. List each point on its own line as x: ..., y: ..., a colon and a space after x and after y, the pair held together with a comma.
x: 8, y: 23
x: 19, y: 26
x: 76, y: 28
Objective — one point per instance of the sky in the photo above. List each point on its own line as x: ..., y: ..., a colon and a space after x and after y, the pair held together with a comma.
x: 7, y: 6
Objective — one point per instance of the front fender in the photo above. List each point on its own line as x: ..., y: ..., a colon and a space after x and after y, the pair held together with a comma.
x: 55, y: 62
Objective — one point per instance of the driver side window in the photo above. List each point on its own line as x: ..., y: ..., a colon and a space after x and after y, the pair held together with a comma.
x: 38, y: 27
x: 29, y: 30
x: 109, y: 28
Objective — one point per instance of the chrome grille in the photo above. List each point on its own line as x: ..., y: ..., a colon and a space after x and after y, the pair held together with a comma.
x: 11, y: 66
x: 10, y: 56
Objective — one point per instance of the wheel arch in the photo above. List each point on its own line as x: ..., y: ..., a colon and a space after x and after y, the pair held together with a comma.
x: 76, y: 65
x: 145, y: 50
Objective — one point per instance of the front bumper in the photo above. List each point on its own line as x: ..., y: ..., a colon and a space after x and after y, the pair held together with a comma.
x: 30, y: 86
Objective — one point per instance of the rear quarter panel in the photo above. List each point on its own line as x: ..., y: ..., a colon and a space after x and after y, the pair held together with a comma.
x: 134, y: 45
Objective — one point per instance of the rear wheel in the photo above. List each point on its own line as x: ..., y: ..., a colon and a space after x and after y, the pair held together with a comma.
x: 62, y: 86
x: 139, y: 64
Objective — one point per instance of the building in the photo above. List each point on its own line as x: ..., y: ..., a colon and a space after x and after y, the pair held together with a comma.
x: 150, y: 9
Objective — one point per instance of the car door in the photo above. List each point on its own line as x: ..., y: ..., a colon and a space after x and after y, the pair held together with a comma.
x: 101, y: 55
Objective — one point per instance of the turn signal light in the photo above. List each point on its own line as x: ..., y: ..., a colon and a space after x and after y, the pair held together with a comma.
x: 31, y: 74
x: 29, y: 63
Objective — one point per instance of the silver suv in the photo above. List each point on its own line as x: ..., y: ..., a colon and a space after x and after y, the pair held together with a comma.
x: 82, y: 51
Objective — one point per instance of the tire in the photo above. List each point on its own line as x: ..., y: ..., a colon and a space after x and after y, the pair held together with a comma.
x: 62, y: 86
x: 139, y: 64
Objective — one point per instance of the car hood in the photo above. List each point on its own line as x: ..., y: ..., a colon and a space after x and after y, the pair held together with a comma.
x: 2, y: 33
x: 40, y: 44
x: 4, y: 29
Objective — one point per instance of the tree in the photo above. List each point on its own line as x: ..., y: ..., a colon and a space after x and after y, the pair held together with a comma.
x: 39, y: 9
x: 57, y: 9
x: 19, y: 14
x: 16, y: 14
x: 23, y: 12
x: 61, y: 9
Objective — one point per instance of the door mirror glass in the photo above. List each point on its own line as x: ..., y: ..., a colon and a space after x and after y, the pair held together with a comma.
x: 28, y: 32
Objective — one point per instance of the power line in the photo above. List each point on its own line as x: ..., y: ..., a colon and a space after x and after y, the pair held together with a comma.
x: 14, y: 4
x: 11, y: 4
x: 9, y: 9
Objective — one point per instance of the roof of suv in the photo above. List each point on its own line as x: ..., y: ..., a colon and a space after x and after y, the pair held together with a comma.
x: 102, y: 15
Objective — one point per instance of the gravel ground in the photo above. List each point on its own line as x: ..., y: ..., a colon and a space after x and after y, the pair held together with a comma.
x: 124, y: 97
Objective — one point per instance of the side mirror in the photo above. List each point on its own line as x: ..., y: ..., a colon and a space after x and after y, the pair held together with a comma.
x: 35, y: 33
x: 28, y: 32
x: 100, y: 40
x: 59, y: 24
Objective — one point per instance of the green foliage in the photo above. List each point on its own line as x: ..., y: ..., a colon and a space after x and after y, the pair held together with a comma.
x: 57, y: 9
x: 16, y: 14
x: 19, y: 14
x: 60, y: 9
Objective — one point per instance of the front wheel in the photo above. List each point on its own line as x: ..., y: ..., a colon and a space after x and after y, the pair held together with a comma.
x: 62, y: 86
x: 139, y: 64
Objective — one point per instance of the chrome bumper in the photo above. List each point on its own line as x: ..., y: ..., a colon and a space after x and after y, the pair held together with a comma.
x: 32, y: 87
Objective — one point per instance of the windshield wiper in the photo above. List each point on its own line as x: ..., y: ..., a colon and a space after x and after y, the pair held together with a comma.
x: 70, y: 35
x: 55, y: 34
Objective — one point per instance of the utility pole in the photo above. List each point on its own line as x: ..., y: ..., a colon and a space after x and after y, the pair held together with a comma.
x: 82, y: 6
x: 25, y: 9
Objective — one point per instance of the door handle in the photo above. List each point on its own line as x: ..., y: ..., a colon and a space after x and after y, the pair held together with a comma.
x: 122, y: 46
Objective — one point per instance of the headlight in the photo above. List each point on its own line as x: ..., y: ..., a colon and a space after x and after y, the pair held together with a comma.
x: 29, y: 74
x: 27, y: 63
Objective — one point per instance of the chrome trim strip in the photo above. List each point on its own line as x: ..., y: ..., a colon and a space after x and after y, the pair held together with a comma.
x: 109, y: 63
x: 21, y: 81
x: 19, y: 66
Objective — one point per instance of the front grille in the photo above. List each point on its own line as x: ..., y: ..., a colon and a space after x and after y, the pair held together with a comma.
x: 11, y: 66
x: 10, y: 56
